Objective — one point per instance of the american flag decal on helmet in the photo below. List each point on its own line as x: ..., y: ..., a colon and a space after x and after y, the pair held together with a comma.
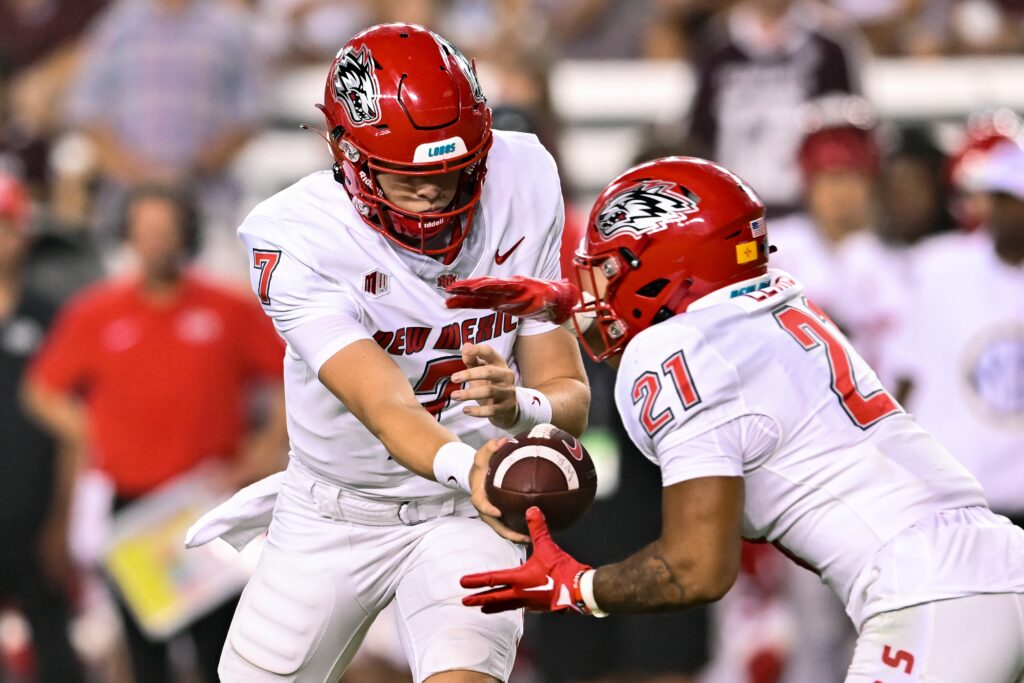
x: 757, y: 227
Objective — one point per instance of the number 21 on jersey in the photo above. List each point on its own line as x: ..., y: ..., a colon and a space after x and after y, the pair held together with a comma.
x: 647, y: 388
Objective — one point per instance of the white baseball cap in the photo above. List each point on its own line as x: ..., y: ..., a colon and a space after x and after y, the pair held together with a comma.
x: 1003, y: 170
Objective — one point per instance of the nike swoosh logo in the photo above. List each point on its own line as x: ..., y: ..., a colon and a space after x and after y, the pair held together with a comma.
x: 546, y: 587
x: 576, y: 450
x: 500, y: 258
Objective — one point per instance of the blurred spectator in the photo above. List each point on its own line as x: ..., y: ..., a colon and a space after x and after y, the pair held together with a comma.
x: 986, y: 26
x: 882, y: 22
x: 961, y: 347
x: 169, y: 91
x: 914, y: 190
x: 62, y: 261
x: 598, y: 29
x: 678, y: 29
x: 38, y: 52
x: 35, y: 568
x: 774, y: 56
x: 146, y: 377
x: 839, y: 165
x: 309, y: 31
x: 985, y: 130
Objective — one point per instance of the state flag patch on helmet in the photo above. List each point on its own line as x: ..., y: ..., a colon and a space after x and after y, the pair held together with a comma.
x: 644, y: 208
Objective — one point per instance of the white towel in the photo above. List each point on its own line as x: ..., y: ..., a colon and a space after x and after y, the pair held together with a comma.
x: 239, y: 519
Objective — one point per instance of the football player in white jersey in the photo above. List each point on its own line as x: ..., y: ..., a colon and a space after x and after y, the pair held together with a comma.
x: 766, y: 424
x: 391, y: 396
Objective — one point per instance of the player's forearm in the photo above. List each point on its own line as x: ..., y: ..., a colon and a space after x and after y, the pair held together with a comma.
x: 651, y: 581
x: 412, y: 436
x: 570, y: 402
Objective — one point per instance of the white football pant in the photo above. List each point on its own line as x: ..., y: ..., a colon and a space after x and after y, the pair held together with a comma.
x: 323, y: 577
x: 976, y: 639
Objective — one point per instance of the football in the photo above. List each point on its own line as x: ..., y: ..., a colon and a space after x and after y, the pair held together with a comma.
x: 546, y: 467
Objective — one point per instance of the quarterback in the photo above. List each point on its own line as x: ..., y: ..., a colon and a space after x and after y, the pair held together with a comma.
x: 766, y: 425
x: 392, y: 396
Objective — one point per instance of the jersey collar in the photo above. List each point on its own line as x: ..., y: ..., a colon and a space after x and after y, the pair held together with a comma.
x: 731, y: 291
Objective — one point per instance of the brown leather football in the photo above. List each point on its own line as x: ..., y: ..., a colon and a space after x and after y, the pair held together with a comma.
x: 546, y: 467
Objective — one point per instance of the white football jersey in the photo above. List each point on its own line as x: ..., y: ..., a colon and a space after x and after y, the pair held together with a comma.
x: 961, y: 341
x: 845, y: 469
x: 327, y: 279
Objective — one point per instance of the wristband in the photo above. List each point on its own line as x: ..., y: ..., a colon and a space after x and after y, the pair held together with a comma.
x: 587, y: 592
x: 452, y: 464
x: 534, y: 409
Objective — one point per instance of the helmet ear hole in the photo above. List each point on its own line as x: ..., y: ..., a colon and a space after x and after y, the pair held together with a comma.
x: 664, y: 313
x: 652, y: 288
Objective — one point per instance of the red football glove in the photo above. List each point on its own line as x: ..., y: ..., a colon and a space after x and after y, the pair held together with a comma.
x: 548, y: 582
x: 523, y: 297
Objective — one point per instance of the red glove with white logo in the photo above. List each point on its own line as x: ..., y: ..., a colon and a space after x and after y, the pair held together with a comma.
x: 548, y: 582
x: 523, y: 297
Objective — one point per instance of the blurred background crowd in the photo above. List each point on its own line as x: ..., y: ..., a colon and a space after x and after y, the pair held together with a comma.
x: 135, y: 134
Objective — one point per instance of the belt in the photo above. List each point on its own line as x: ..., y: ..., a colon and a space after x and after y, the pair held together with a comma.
x: 344, y: 505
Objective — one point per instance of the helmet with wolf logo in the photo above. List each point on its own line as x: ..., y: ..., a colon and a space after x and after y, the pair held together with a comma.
x: 660, y: 236
x: 402, y: 99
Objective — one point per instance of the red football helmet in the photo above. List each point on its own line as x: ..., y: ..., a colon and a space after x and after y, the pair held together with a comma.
x: 660, y: 236
x: 402, y: 99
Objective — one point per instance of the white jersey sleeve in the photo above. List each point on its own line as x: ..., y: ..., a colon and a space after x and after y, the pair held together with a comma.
x: 316, y: 317
x: 673, y: 388
x: 720, y: 451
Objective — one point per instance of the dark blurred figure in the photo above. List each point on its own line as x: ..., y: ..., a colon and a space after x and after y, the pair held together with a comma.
x: 38, y: 53
x: 914, y: 190
x: 771, y: 57
x: 131, y: 356
x: 960, y: 351
x: 62, y: 261
x: 35, y: 568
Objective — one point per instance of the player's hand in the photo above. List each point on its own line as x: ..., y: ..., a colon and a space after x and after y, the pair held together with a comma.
x: 490, y: 382
x: 523, y: 297
x: 548, y: 582
x: 477, y: 477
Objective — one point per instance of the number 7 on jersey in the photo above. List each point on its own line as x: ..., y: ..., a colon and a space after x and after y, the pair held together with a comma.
x: 265, y: 261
